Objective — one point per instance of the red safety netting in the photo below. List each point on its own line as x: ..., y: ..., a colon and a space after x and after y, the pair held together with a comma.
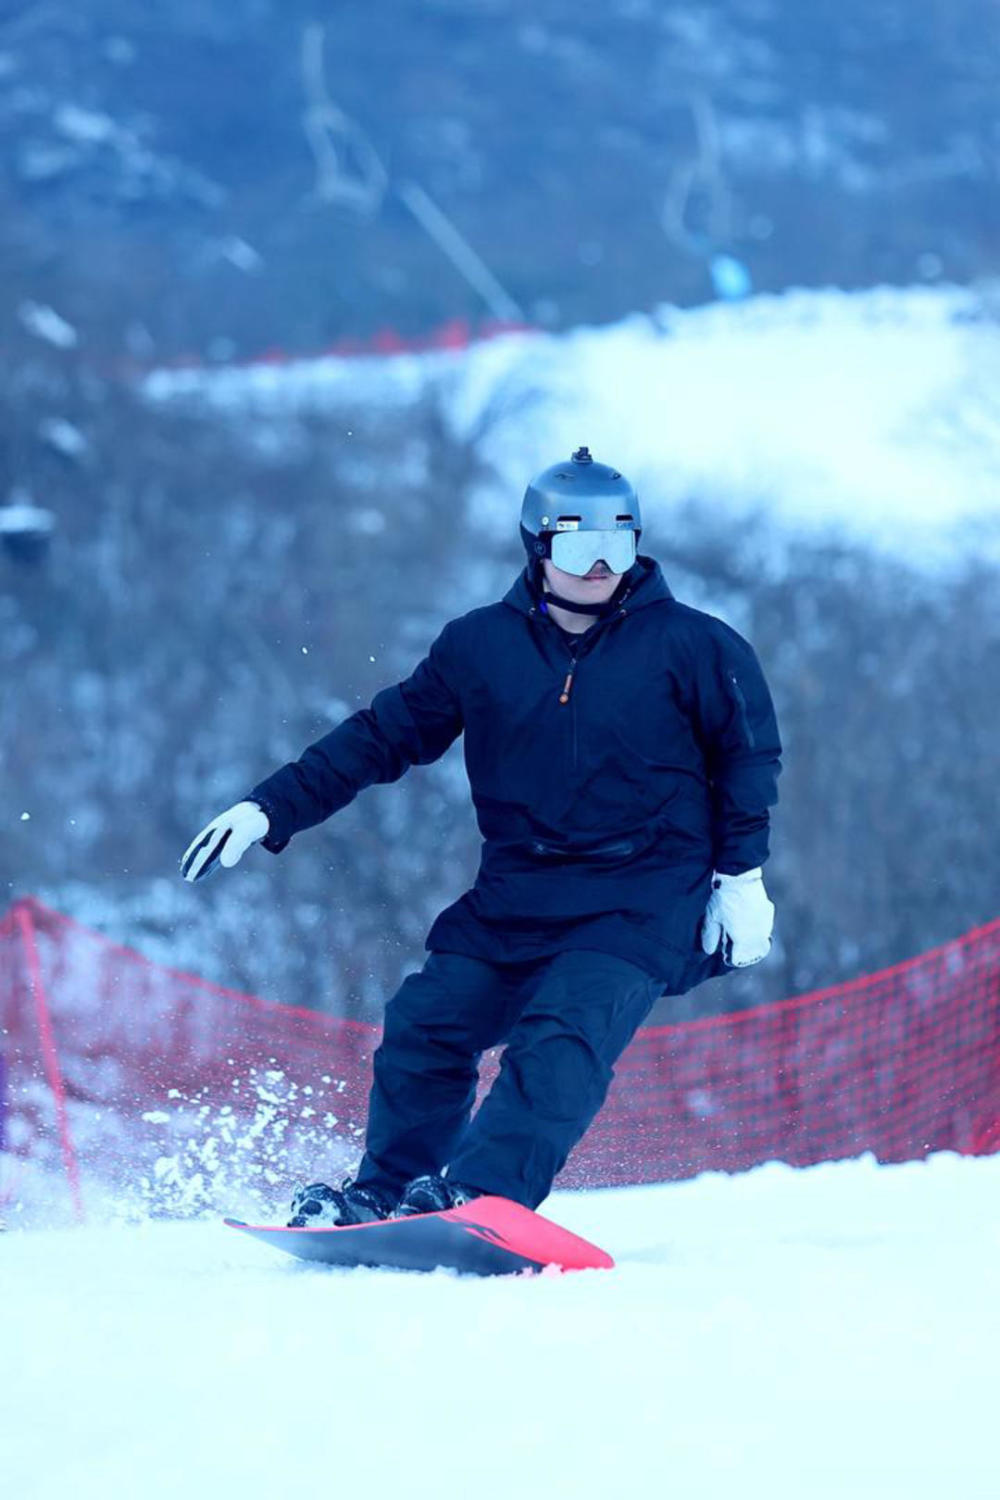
x: 454, y: 333
x: 134, y: 1085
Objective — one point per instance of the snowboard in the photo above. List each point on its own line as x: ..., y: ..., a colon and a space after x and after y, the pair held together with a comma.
x: 486, y: 1237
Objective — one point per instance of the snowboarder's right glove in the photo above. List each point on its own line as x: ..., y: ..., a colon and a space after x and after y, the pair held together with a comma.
x: 740, y: 916
x: 225, y: 841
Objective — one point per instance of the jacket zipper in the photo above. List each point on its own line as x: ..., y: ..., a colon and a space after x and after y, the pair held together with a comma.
x: 741, y: 706
x: 572, y: 710
x: 564, y: 697
x: 574, y: 662
x: 566, y: 691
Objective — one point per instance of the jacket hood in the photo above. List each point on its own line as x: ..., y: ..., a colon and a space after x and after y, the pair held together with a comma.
x: 644, y: 584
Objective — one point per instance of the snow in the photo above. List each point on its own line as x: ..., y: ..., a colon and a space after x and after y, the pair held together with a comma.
x: 86, y: 125
x: 24, y: 518
x: 46, y: 324
x: 241, y: 254
x: 875, y: 413
x: 775, y: 1336
x: 63, y: 436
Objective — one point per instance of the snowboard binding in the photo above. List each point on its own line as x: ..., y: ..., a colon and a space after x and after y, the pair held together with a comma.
x: 321, y: 1207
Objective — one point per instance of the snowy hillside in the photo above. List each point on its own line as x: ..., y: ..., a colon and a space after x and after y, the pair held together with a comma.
x: 784, y: 1335
x: 875, y: 412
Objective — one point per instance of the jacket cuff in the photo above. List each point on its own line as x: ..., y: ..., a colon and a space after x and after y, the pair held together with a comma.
x: 744, y: 877
x: 276, y: 839
x: 736, y: 867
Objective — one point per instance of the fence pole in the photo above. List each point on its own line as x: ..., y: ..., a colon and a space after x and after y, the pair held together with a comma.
x: 50, y: 1057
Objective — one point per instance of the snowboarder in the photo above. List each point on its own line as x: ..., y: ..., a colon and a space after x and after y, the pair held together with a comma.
x: 622, y: 754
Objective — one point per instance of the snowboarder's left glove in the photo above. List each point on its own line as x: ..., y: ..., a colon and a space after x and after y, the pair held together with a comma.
x: 225, y: 840
x: 740, y: 916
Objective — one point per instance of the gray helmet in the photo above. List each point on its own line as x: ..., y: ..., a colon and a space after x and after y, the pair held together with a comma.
x: 596, y: 496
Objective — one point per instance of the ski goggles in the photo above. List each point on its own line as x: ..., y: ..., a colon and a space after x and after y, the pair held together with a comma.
x: 577, y: 551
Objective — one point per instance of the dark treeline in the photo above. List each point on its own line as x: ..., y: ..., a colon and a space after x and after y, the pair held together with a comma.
x: 220, y: 592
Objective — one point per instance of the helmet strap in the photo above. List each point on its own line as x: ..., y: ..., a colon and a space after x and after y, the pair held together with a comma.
x: 596, y: 611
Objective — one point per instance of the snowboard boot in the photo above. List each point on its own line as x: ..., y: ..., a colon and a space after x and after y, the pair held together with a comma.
x: 322, y: 1207
x: 432, y: 1195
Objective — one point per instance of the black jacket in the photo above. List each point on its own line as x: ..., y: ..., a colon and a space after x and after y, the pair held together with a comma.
x: 602, y: 816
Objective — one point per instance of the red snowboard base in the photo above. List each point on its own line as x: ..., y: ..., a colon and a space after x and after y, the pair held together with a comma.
x: 487, y: 1237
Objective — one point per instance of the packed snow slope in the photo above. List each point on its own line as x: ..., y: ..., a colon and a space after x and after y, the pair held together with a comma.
x: 875, y: 413
x: 783, y: 1335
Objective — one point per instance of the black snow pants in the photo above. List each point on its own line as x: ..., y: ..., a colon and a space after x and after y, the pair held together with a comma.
x: 565, y: 1020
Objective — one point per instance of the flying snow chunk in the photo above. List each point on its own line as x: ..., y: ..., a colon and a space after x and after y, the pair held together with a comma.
x: 63, y: 437
x: 45, y: 323
x: 84, y: 125
x: 241, y: 254
x: 23, y: 519
x: 367, y: 521
x: 118, y: 49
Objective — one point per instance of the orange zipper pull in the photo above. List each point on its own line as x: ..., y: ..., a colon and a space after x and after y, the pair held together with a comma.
x: 567, y: 687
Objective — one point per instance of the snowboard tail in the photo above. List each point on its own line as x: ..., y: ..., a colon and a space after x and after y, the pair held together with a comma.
x: 485, y: 1237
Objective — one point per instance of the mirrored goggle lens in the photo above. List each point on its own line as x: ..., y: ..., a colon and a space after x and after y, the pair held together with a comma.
x: 578, y: 551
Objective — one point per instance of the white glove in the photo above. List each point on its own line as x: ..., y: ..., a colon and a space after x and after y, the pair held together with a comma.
x: 740, y: 917
x: 225, y: 840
